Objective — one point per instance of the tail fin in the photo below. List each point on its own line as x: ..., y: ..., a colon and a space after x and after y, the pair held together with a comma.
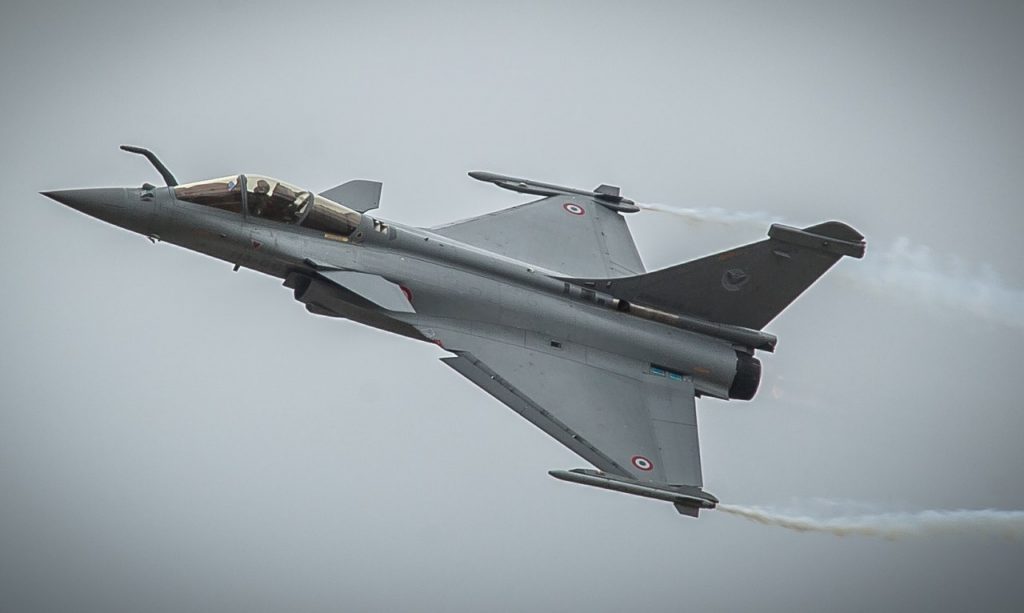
x: 747, y: 286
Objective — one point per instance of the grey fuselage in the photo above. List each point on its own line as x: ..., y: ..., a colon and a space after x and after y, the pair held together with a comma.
x: 453, y: 287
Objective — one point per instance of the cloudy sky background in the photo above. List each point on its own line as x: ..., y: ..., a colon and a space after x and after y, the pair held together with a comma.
x: 177, y: 437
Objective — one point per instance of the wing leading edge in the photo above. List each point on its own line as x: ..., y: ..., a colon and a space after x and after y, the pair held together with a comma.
x: 568, y: 233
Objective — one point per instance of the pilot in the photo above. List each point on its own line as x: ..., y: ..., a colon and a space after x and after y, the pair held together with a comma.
x: 260, y: 197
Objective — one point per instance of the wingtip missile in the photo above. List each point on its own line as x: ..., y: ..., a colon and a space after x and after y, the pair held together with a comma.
x: 688, y: 500
x: 607, y: 195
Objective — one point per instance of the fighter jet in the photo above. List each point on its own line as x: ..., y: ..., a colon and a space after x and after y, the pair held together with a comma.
x: 546, y: 306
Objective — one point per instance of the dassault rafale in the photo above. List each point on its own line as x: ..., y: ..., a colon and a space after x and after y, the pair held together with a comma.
x: 546, y: 306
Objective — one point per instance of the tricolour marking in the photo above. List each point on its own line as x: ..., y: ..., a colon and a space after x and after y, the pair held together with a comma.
x: 573, y: 208
x: 642, y: 463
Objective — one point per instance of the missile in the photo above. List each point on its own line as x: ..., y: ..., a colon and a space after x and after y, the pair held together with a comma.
x: 607, y: 195
x: 688, y: 500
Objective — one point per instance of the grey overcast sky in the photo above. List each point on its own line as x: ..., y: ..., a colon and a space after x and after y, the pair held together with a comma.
x: 176, y: 437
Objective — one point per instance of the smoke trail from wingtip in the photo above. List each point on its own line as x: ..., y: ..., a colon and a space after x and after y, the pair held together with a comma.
x: 904, y: 270
x: 713, y: 215
x: 1008, y: 524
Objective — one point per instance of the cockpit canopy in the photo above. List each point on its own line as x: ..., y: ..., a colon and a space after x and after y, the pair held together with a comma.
x: 271, y: 199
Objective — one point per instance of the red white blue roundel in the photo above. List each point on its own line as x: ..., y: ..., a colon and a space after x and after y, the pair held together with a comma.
x: 573, y: 208
x: 641, y: 463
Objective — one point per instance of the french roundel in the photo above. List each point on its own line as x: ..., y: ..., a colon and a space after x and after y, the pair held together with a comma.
x: 573, y: 208
x: 641, y: 463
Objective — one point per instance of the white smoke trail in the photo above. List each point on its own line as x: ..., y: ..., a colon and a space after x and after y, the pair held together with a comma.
x: 905, y: 270
x: 714, y: 215
x: 1008, y: 524
x: 912, y: 271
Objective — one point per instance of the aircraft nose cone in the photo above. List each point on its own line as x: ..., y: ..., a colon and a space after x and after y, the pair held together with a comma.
x: 110, y: 204
x: 95, y: 202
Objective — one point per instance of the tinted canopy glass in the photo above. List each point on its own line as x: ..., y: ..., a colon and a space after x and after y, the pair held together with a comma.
x: 223, y: 193
x: 274, y: 200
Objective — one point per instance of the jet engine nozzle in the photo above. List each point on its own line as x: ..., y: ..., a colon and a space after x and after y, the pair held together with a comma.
x: 748, y: 377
